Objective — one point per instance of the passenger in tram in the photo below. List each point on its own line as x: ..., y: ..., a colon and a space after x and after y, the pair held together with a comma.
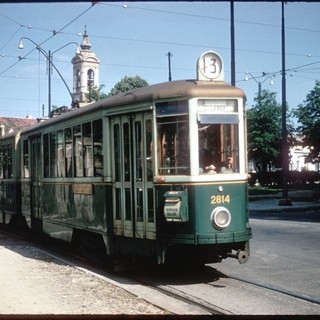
x: 226, y: 166
x: 206, y: 158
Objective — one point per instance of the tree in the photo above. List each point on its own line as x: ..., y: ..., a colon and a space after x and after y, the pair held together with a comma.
x: 95, y: 94
x: 308, y: 115
x: 264, y: 130
x: 126, y: 84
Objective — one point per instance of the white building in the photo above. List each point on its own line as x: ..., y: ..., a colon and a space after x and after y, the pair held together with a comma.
x: 85, y: 71
x: 297, y: 162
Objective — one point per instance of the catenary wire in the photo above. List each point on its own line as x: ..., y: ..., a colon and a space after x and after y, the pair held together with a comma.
x: 53, y: 34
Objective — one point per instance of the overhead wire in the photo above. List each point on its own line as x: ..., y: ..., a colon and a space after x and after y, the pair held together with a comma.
x: 153, y: 41
x: 10, y: 38
x: 54, y: 33
x: 205, y: 17
x: 185, y: 44
x: 61, y: 31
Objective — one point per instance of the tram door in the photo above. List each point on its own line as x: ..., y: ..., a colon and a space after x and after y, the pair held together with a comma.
x: 35, y: 201
x: 133, y: 194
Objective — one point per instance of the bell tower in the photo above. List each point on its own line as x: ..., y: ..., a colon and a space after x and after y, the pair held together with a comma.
x: 85, y: 71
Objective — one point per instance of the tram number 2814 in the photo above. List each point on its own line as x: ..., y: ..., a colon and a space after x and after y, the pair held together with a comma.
x: 219, y: 199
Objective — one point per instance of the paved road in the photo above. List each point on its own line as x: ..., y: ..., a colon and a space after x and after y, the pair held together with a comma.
x: 285, y: 258
x: 284, y: 254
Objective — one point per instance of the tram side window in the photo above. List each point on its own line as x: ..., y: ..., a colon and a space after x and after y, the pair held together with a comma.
x: 75, y: 151
x: 10, y: 164
x: 46, y: 160
x: 174, y: 150
x: 97, y: 148
x: 25, y: 159
x: 139, y: 155
x: 68, y: 151
x: 78, y: 152
x: 87, y: 149
x: 6, y: 162
x: 116, y: 148
x: 10, y: 173
x: 49, y: 155
x: 126, y: 152
x: 53, y: 155
x: 218, y: 148
x: 149, y: 146
x: 61, y: 153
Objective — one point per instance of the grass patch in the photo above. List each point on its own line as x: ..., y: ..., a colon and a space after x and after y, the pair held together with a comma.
x: 255, y: 191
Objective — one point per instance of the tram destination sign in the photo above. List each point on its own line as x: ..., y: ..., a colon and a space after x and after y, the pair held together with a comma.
x: 82, y: 188
x: 217, y: 105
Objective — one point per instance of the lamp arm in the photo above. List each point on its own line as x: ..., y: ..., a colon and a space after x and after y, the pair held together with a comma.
x: 48, y: 57
x: 252, y: 77
x: 72, y: 42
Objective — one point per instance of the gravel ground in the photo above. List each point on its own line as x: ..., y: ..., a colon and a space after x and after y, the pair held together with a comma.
x: 33, y: 282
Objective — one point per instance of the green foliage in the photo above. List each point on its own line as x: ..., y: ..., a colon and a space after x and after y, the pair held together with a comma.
x: 95, y: 94
x: 264, y: 129
x: 127, y: 84
x: 308, y: 115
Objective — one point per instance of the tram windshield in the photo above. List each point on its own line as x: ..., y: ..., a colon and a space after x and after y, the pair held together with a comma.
x: 218, y: 148
x: 216, y: 138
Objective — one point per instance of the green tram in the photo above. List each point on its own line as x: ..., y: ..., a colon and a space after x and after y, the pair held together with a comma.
x: 157, y: 173
x: 10, y: 191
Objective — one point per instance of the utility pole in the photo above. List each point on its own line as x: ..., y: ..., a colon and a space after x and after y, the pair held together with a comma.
x: 285, y: 201
x: 169, y: 64
x: 49, y: 82
x: 233, y: 63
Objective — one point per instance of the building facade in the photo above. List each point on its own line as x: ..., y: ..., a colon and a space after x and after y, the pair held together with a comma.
x: 298, y: 155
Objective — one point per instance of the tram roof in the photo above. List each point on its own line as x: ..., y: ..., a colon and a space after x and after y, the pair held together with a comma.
x: 175, y: 89
x: 178, y: 89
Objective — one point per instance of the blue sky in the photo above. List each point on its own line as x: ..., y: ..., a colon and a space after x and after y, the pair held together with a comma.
x: 134, y: 40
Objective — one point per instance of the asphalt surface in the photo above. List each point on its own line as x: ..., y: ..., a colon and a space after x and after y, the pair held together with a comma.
x: 303, y: 206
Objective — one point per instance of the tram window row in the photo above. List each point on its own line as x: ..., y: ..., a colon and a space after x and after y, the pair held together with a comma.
x: 6, y: 162
x: 71, y: 152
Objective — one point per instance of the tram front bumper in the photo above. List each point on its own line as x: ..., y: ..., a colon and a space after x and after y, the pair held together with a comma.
x: 204, y: 239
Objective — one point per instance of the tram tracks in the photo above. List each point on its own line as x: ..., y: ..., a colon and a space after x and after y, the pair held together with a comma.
x: 278, y: 290
x: 231, y: 295
x: 203, y: 291
x: 204, y: 306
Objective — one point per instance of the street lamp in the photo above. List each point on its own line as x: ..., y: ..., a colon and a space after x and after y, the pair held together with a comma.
x: 246, y: 78
x: 49, y: 56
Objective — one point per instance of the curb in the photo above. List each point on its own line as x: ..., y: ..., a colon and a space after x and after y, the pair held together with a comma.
x: 279, y: 209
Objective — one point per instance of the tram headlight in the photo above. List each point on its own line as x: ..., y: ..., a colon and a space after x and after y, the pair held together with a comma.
x: 220, y: 218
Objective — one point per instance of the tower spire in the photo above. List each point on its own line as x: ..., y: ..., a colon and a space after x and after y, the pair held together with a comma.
x: 85, y: 45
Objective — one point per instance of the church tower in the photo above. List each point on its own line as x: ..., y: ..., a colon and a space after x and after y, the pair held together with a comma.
x: 85, y: 71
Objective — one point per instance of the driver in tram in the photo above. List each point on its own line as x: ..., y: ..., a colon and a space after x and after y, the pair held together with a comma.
x: 205, y: 156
